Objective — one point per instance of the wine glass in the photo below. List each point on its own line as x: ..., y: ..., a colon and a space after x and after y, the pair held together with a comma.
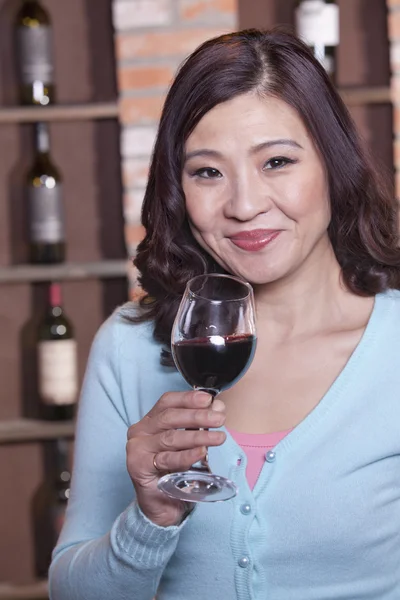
x: 213, y: 343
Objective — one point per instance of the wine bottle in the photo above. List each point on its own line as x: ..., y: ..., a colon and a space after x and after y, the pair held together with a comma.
x: 49, y: 503
x: 46, y: 212
x: 317, y: 23
x: 57, y: 361
x: 34, y: 51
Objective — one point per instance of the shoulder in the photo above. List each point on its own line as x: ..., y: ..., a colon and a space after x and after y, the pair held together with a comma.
x: 122, y: 335
x: 390, y: 300
x: 129, y: 347
x: 128, y: 351
x: 386, y: 315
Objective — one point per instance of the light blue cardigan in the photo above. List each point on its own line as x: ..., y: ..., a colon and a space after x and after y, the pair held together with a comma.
x: 323, y: 521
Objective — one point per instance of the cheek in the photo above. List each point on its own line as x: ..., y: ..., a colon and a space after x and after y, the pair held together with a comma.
x: 306, y: 199
x: 202, y: 213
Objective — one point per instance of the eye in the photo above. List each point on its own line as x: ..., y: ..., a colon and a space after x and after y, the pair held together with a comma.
x: 277, y: 163
x: 207, y: 173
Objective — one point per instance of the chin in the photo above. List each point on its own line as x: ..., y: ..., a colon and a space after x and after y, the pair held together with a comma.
x: 257, y: 278
x: 259, y: 274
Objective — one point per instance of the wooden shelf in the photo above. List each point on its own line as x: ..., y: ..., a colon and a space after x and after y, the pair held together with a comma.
x: 33, y: 591
x: 67, y: 112
x: 31, y: 430
x: 109, y: 110
x: 102, y: 269
x: 366, y: 95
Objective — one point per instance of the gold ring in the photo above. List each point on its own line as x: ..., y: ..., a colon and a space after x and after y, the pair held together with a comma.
x: 157, y: 468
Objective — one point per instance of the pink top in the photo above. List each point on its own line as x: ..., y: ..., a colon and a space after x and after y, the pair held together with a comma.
x: 256, y: 445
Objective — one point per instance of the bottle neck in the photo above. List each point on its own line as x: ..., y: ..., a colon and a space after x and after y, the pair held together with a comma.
x: 62, y: 471
x: 55, y: 299
x: 57, y: 462
x: 42, y: 138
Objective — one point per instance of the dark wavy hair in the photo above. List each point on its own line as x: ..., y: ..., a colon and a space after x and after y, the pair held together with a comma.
x: 364, y: 223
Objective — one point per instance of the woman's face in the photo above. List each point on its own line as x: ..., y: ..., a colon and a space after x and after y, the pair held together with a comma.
x: 256, y: 189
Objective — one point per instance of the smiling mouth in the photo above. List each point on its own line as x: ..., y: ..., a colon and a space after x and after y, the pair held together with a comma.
x: 253, y: 241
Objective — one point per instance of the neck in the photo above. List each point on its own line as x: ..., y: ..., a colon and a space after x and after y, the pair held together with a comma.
x: 306, y: 300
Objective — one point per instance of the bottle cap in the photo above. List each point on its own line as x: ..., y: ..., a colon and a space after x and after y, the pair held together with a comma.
x: 55, y: 294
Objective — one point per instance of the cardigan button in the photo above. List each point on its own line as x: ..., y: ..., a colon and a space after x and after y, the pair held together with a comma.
x: 270, y: 456
x: 244, y: 562
x: 245, y: 509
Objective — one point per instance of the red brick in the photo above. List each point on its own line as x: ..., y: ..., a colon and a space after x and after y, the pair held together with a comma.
x: 135, y: 172
x: 141, y: 13
x: 131, y: 78
x: 132, y: 205
x: 133, y: 234
x: 394, y: 25
x: 396, y: 120
x: 135, y: 291
x: 141, y: 110
x: 169, y: 43
x: 395, y: 89
x: 397, y: 184
x: 192, y: 10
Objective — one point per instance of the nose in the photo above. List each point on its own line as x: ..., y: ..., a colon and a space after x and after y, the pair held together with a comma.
x: 247, y: 199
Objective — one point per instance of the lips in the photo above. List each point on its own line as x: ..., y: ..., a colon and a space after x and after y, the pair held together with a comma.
x: 254, y: 240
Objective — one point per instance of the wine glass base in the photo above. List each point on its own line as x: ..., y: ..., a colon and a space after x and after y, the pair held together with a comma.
x: 196, y: 486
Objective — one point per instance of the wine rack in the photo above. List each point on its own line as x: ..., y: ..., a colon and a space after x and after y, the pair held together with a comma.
x: 34, y: 591
x: 64, y: 271
x: 356, y: 96
x: 84, y: 130
x: 32, y: 430
x: 89, y: 108
x: 72, y: 112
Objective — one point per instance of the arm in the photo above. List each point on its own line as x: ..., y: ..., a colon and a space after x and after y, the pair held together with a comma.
x: 108, y: 548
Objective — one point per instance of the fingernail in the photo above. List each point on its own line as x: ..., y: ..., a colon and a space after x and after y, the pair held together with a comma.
x: 218, y: 405
x: 203, y: 399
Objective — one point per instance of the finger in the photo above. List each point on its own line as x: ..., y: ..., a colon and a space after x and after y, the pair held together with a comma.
x: 177, y: 410
x: 172, y: 462
x: 139, y: 448
x: 189, y: 399
x: 176, y: 418
x: 176, y: 439
x: 218, y: 405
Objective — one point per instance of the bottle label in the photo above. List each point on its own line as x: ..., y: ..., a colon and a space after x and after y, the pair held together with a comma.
x: 318, y: 23
x: 35, y: 54
x: 58, y: 372
x: 46, y: 214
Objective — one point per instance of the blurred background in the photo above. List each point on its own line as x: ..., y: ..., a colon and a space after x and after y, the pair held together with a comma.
x: 82, y: 83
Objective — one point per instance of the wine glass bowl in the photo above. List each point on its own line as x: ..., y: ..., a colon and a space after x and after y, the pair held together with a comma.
x: 213, y: 342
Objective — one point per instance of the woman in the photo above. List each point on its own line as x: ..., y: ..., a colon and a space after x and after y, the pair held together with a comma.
x: 257, y: 171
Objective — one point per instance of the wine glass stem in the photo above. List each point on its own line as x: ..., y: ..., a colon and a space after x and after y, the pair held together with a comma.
x: 202, y: 464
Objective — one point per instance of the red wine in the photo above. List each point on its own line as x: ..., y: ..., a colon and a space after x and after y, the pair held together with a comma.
x: 214, y: 363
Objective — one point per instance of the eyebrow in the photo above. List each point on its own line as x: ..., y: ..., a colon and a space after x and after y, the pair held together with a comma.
x: 253, y: 149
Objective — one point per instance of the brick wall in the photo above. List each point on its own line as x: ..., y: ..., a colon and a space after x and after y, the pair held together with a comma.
x: 394, y: 38
x: 152, y: 37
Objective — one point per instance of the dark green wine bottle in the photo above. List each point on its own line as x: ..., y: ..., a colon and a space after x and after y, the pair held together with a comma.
x: 49, y: 504
x: 34, y: 51
x: 57, y: 361
x: 317, y: 23
x: 46, y: 211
